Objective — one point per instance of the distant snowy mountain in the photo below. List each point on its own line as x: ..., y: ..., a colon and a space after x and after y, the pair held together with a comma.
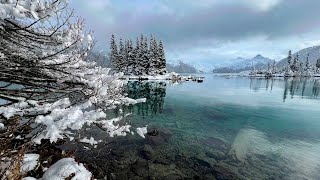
x: 314, y: 54
x: 183, y: 67
x: 241, y: 64
x: 180, y: 67
x: 205, y: 67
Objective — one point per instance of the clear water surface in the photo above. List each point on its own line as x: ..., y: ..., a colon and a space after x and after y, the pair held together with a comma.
x: 223, y: 128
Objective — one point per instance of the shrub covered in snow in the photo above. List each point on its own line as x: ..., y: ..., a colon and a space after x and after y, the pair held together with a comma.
x: 46, y: 79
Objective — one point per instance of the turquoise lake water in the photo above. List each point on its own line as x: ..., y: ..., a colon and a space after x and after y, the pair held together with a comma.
x: 223, y: 128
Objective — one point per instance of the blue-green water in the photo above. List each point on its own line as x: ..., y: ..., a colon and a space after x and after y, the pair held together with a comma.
x: 223, y: 128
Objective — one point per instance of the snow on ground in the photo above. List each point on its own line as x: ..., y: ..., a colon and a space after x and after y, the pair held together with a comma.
x: 30, y: 161
x: 1, y: 126
x: 157, y: 77
x: 66, y: 167
x: 142, y: 131
x: 90, y: 141
x: 29, y: 178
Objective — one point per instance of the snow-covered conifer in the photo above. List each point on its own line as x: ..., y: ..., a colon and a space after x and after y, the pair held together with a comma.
x: 113, y: 56
x: 162, y: 58
x: 274, y: 68
x: 318, y: 65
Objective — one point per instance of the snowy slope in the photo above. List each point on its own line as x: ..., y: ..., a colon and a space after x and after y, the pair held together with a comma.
x: 180, y: 67
x: 314, y: 54
x: 183, y: 67
x: 242, y: 64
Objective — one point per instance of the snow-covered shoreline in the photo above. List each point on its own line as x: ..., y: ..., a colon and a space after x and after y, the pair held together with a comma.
x: 169, y: 76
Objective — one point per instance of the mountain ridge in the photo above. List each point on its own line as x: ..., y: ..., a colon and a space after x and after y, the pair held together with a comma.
x: 243, y: 64
x: 314, y: 55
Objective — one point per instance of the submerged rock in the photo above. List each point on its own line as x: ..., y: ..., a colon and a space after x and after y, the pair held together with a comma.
x: 141, y: 168
x: 216, y: 155
x: 158, y: 137
x: 153, y: 133
x: 222, y: 173
x: 148, y: 152
x: 217, y: 143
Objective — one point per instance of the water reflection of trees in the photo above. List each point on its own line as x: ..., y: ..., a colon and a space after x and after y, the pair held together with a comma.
x: 303, y: 87
x: 154, y: 92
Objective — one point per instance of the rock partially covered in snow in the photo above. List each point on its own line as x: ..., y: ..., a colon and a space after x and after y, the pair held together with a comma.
x: 90, y: 141
x: 65, y: 168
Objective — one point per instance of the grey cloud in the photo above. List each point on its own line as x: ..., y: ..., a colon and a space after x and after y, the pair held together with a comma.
x: 223, y: 22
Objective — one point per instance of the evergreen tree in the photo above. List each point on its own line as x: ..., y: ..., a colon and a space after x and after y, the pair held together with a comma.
x: 140, y: 67
x: 137, y: 57
x: 318, y: 65
x: 162, y: 59
x: 274, y: 70
x: 301, y: 69
x: 121, y: 57
x: 307, y: 67
x: 145, y: 57
x: 152, y: 57
x: 131, y: 58
x: 307, y: 62
x: 295, y: 64
x: 155, y: 62
x: 113, y: 56
x: 289, y: 57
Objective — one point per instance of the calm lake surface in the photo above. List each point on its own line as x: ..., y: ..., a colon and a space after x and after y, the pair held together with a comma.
x: 223, y: 128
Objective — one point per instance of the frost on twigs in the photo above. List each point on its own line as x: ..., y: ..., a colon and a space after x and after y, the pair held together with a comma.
x: 49, y: 79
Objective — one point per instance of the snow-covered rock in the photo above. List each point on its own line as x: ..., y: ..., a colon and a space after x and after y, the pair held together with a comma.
x: 66, y: 167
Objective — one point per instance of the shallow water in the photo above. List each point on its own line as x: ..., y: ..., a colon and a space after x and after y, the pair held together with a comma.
x: 223, y: 128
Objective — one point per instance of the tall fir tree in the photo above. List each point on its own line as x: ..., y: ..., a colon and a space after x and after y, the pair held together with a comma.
x: 274, y: 70
x: 289, y: 57
x: 145, y: 57
x: 307, y: 68
x: 131, y: 58
x: 152, y: 57
x: 295, y: 65
x: 113, y: 56
x: 137, y: 57
x: 318, y: 65
x: 162, y: 59
x: 121, y: 57
x: 155, y: 62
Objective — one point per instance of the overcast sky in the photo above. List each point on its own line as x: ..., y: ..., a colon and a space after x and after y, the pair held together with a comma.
x: 208, y: 30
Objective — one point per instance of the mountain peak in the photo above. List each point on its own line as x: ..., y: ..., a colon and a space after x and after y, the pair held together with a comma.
x: 258, y: 56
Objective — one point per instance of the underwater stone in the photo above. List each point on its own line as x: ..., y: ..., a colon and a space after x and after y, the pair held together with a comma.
x: 148, y: 152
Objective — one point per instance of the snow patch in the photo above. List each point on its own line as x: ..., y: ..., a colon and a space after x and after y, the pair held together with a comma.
x: 142, y: 131
x: 30, y: 161
x: 66, y: 167
x: 90, y: 141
